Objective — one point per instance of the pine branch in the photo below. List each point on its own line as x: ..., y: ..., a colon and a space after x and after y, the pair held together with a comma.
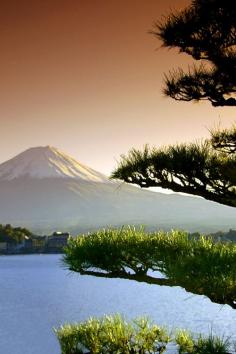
x: 206, y: 30
x: 194, y: 169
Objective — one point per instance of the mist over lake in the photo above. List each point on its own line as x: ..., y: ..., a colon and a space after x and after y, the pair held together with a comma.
x: 37, y: 294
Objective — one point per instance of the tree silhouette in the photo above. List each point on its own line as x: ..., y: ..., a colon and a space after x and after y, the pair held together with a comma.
x: 206, y: 30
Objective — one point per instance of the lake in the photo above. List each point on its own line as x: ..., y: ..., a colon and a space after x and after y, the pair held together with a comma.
x: 37, y: 294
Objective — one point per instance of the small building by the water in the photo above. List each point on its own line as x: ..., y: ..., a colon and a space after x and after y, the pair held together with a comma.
x: 39, y: 243
x: 54, y: 243
x: 3, y: 247
x: 57, y: 241
x: 35, y: 244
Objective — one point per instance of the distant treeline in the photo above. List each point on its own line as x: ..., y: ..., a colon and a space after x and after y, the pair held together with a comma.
x: 12, y: 234
x: 219, y: 236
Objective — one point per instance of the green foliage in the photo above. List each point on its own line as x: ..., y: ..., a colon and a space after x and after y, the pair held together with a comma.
x: 199, y: 265
x: 110, y: 250
x: 206, y: 31
x: 68, y: 337
x: 212, y: 345
x: 185, y: 341
x: 112, y: 334
x: 189, y: 168
x: 13, y: 234
x: 201, y: 345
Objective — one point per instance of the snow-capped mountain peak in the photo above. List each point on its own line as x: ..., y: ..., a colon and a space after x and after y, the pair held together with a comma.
x: 48, y: 162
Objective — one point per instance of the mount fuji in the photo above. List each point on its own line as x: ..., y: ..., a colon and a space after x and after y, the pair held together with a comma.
x: 44, y: 189
x: 47, y: 162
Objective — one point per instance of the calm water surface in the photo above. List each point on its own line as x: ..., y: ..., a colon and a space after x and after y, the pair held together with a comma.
x: 37, y: 294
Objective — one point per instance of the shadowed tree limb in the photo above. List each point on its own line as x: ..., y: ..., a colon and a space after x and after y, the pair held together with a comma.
x: 154, y: 281
x: 194, y: 169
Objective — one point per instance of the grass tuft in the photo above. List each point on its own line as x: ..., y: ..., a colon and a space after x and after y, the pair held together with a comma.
x: 114, y: 335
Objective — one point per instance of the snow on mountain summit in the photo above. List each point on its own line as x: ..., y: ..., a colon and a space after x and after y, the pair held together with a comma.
x: 47, y: 162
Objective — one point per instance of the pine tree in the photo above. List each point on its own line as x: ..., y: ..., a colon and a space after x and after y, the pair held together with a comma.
x: 206, y: 30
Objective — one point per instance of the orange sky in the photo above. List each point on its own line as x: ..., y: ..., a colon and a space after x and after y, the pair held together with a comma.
x: 85, y: 76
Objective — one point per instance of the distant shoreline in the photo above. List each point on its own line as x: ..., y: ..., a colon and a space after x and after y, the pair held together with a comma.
x: 28, y: 253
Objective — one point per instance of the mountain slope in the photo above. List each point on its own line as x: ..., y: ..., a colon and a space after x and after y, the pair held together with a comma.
x: 47, y: 162
x: 44, y: 189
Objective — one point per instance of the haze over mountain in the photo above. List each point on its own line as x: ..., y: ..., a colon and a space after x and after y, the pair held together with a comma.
x: 44, y: 189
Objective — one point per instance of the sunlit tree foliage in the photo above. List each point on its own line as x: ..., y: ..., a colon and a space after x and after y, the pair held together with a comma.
x: 200, y: 265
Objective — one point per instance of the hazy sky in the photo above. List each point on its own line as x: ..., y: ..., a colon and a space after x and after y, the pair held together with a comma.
x: 85, y: 76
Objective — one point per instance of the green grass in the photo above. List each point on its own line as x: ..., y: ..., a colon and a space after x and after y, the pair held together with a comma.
x: 113, y: 335
x: 201, y: 266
